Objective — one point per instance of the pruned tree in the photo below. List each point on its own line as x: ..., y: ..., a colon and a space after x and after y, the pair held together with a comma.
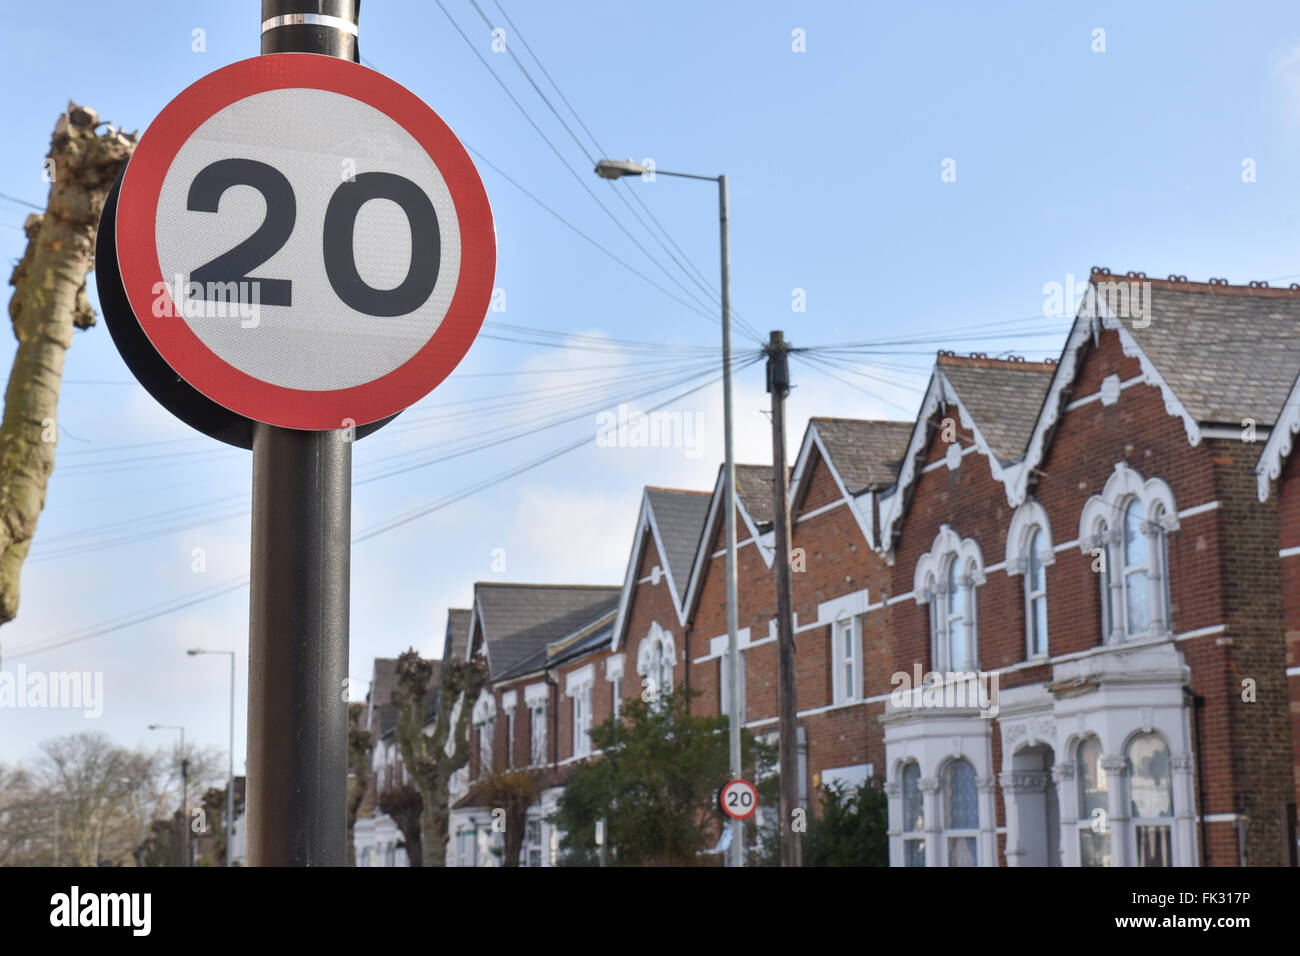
x: 512, y: 791
x: 49, y: 301
x: 404, y: 804
x: 359, y: 777
x: 432, y: 758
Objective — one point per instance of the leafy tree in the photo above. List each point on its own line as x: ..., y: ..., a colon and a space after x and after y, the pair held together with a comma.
x: 852, y: 828
x: 654, y: 784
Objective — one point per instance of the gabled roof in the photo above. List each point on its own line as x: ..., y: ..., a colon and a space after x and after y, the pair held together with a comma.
x: 679, y: 517
x: 587, y: 637
x: 675, y: 519
x: 457, y: 633
x: 978, y: 387
x: 1281, y: 442
x: 863, y: 453
x: 516, y: 620
x: 1228, y: 352
x: 1003, y: 396
x: 1218, y: 353
x: 755, y: 493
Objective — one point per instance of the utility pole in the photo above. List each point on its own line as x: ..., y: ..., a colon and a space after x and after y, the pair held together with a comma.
x: 296, y: 796
x: 187, y: 847
x: 778, y: 385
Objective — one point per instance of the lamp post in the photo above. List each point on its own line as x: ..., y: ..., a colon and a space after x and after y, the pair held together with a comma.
x: 185, y: 790
x: 616, y: 169
x: 230, y: 777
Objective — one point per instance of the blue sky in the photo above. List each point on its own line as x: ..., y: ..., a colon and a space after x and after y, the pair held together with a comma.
x: 1065, y: 158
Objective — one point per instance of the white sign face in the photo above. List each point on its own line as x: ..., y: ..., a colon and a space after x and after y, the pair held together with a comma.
x: 305, y: 242
x: 318, y: 341
x: 739, y: 799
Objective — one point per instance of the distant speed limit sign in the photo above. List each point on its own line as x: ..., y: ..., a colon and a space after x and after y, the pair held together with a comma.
x: 304, y: 242
x: 739, y: 799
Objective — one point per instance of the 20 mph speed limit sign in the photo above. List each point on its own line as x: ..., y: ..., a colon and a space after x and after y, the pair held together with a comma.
x: 739, y: 799
x: 304, y: 242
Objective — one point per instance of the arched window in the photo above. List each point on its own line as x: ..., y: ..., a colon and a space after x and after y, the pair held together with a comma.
x: 956, y: 623
x: 1137, y: 566
x: 961, y: 813
x: 1094, y: 804
x: 946, y: 578
x: 1127, y: 525
x: 655, y: 658
x: 1151, y: 799
x: 913, y: 817
x: 1036, y: 598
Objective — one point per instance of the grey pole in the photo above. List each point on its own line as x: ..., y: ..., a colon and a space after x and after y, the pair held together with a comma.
x: 296, y: 788
x: 729, y: 468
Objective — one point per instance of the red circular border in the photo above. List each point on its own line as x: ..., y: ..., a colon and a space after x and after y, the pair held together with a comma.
x: 211, y: 375
x: 722, y: 799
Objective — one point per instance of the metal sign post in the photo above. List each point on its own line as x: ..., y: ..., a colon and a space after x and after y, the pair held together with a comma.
x: 256, y: 291
x: 296, y: 801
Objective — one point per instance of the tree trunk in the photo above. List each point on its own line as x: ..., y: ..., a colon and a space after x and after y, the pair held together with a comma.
x: 49, y: 300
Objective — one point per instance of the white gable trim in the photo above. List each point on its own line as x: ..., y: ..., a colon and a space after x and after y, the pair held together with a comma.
x: 1066, y: 370
x: 939, y: 392
x: 1281, y: 442
x: 703, y: 557
x: 645, y: 522
x: 860, y: 506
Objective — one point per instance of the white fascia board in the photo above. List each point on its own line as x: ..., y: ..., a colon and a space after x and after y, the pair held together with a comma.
x: 703, y: 554
x: 1281, y: 442
x: 629, y: 578
x: 1067, y: 368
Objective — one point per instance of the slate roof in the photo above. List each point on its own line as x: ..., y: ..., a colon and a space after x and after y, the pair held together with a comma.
x: 1228, y: 352
x: 680, y: 516
x: 458, y: 632
x: 754, y: 491
x: 866, y: 454
x: 518, y: 620
x: 1003, y: 396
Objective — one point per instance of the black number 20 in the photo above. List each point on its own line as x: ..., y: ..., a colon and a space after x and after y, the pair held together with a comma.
x: 742, y: 797
x: 340, y: 225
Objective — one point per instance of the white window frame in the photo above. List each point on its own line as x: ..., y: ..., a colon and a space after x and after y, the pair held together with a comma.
x: 910, y: 835
x: 578, y: 685
x: 1085, y: 821
x: 655, y: 660
x: 614, y: 674
x: 1032, y: 597
x: 1101, y: 525
x: 961, y: 833
x: 1134, y: 821
x: 536, y: 698
x: 852, y: 624
x: 930, y: 586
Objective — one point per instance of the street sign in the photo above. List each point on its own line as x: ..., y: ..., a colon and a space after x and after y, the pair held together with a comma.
x: 303, y: 242
x: 738, y: 799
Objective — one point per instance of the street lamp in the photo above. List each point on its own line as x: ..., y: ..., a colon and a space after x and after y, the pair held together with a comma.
x: 617, y: 169
x: 185, y: 788
x: 230, y: 778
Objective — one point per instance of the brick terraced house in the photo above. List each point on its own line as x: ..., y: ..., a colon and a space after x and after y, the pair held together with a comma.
x: 1056, y: 614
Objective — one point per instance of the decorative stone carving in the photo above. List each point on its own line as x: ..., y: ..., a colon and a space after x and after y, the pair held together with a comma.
x: 1182, y: 763
x: 1018, y: 782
